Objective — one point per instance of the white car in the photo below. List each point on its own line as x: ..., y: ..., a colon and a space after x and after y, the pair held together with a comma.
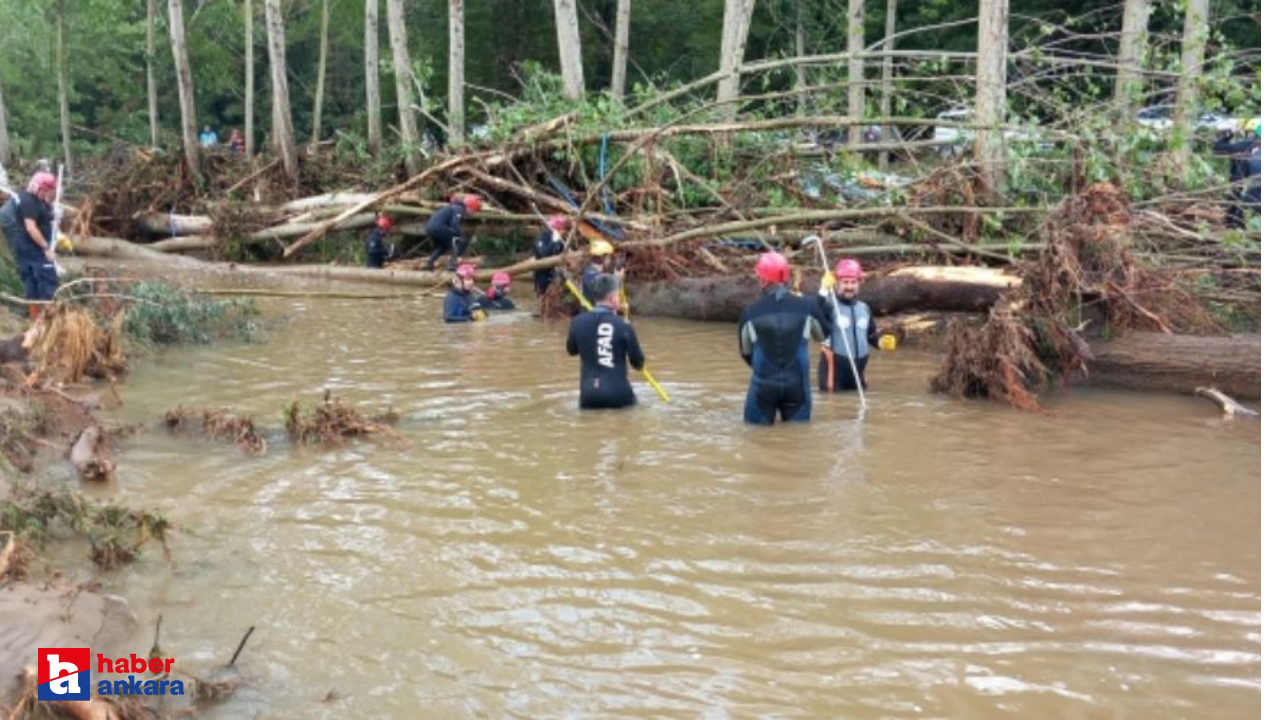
x: 1160, y: 117
x: 955, y: 140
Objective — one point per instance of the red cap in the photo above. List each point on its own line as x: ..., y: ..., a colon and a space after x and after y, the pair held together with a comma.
x: 848, y: 269
x: 466, y: 270
x: 773, y: 268
x: 501, y: 278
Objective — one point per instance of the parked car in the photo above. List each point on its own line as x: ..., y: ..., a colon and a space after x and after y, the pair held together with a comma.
x: 955, y: 140
x: 1160, y: 117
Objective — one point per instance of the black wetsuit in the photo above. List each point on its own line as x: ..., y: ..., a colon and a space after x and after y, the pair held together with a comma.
x: 459, y: 305
x: 605, y: 343
x: 853, y: 333
x: 375, y: 248
x: 773, y: 338
x: 445, y: 230
x: 1246, y: 163
x: 547, y: 245
x: 39, y: 276
x: 492, y: 301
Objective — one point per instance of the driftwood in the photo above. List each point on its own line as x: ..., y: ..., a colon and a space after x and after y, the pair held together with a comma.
x: 88, y: 456
x: 1230, y: 408
x: 918, y: 288
x: 1180, y: 363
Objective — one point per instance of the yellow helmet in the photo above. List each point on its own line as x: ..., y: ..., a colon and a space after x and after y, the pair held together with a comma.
x: 1253, y: 125
x: 600, y: 247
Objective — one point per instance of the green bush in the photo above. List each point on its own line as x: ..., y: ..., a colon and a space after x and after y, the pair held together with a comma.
x: 165, y: 314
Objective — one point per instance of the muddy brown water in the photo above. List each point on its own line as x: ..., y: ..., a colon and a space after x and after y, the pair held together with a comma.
x: 515, y: 557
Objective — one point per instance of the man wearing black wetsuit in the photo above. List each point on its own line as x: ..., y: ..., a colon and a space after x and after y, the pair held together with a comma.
x: 604, y: 342
x: 773, y: 338
x: 445, y: 229
x: 550, y: 243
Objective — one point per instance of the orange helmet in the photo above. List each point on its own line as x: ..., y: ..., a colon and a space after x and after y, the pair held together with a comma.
x: 472, y: 202
x: 383, y: 222
x: 848, y: 269
x: 773, y: 268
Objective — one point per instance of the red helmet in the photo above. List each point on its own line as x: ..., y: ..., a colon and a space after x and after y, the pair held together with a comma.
x: 559, y: 223
x: 848, y: 269
x: 383, y: 222
x: 501, y: 278
x: 472, y: 202
x: 466, y: 270
x: 772, y: 268
x: 42, y: 181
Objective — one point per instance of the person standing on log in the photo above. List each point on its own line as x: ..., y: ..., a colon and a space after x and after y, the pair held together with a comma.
x: 550, y: 242
x: 773, y: 338
x: 1246, y: 166
x: 375, y: 243
x: 461, y: 303
x: 445, y: 229
x: 27, y: 219
x: 853, y: 331
x: 496, y: 297
x: 605, y: 343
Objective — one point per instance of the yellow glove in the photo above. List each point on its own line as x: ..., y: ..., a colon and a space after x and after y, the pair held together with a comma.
x: 479, y: 315
x: 828, y: 281
x: 64, y: 244
x: 888, y: 343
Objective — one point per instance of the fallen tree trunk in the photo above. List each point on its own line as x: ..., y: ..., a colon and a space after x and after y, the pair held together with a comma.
x: 918, y: 288
x: 159, y: 223
x: 1181, y: 363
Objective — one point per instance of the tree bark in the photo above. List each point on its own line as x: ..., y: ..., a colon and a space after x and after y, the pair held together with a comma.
x: 457, y: 77
x: 249, y: 146
x: 372, y: 93
x: 733, y: 45
x: 886, y: 74
x: 281, y: 110
x: 621, y: 38
x: 801, y: 99
x: 1133, y: 45
x: 570, y: 43
x: 1181, y: 363
x: 317, y: 111
x: 4, y: 133
x: 153, y: 102
x: 1195, y: 32
x: 856, y: 43
x: 404, y: 83
x: 989, y: 105
x: 186, y: 91
x: 60, y: 59
x: 913, y: 288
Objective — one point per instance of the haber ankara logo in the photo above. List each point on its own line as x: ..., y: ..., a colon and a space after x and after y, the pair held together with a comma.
x: 63, y: 673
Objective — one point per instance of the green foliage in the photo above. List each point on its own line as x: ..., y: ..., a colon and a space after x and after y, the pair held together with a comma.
x: 164, y: 314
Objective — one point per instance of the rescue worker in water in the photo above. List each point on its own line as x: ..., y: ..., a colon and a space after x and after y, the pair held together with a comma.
x: 605, y: 343
x: 773, y: 338
x: 853, y: 331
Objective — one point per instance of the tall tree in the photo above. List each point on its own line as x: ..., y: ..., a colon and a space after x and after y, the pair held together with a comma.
x: 4, y: 132
x: 989, y: 105
x: 886, y: 75
x: 60, y: 60
x: 1195, y: 31
x: 570, y: 48
x: 281, y: 110
x: 1133, y: 45
x: 621, y: 36
x: 404, y: 82
x: 372, y: 96
x: 186, y: 91
x: 153, y: 102
x: 249, y: 97
x: 317, y: 111
x: 457, y: 119
x: 802, y: 99
x: 733, y: 45
x: 856, y: 43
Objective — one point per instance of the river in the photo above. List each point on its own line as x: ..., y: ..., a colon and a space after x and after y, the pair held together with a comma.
x: 512, y: 556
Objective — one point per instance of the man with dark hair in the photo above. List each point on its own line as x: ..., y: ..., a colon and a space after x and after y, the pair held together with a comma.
x: 605, y: 343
